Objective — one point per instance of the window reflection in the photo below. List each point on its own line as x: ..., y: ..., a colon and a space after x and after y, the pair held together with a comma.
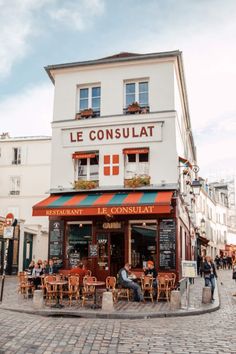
x: 143, y: 244
x: 78, y: 241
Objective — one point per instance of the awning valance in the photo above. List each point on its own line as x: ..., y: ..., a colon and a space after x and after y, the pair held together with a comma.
x: 118, y: 203
x: 81, y: 155
x: 185, y: 161
x: 136, y: 151
x: 203, y: 240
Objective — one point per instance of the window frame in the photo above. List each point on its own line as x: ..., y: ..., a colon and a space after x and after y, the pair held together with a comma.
x: 89, y: 98
x: 137, y: 163
x: 17, y: 156
x: 137, y: 92
x: 15, y: 185
x: 88, y: 166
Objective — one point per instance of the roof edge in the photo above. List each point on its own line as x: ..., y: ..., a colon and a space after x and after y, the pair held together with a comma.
x: 110, y: 60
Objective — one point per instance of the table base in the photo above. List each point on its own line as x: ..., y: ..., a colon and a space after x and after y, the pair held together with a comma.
x: 57, y: 306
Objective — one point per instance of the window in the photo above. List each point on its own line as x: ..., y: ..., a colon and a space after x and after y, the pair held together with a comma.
x: 88, y: 168
x: 78, y: 240
x: 16, y: 160
x: 90, y: 97
x: 136, y: 92
x: 136, y: 163
x: 143, y: 244
x: 14, y: 185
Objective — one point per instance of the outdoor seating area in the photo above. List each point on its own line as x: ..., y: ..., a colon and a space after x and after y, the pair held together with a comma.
x: 66, y: 289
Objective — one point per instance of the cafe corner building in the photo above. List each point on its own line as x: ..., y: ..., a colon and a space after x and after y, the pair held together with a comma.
x: 122, y: 156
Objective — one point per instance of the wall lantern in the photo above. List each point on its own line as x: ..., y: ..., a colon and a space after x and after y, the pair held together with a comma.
x: 203, y: 224
x: 196, y: 184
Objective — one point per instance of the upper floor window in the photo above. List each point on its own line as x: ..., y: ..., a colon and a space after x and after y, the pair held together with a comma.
x: 136, y: 162
x: 87, y: 166
x: 16, y: 158
x: 14, y: 185
x: 90, y: 98
x: 136, y: 92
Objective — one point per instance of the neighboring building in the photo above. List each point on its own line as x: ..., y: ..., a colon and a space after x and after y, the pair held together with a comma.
x: 24, y: 178
x: 216, y: 217
x: 121, y: 139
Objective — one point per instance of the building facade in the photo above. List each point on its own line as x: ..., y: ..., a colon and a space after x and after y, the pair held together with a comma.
x: 216, y: 217
x: 24, y: 178
x: 121, y: 141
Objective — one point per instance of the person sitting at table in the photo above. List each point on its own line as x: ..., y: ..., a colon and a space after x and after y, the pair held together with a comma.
x: 43, y: 269
x: 30, y: 268
x: 52, y: 268
x: 150, y: 270
x: 125, y: 281
x: 36, y: 275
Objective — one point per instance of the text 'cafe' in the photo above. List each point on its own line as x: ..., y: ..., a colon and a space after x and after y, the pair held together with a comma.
x: 105, y: 230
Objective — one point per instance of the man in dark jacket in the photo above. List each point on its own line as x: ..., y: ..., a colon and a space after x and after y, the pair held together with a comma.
x: 210, y: 275
x: 126, y: 282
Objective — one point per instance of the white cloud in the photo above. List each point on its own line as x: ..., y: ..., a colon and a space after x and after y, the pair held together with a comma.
x: 28, y: 113
x: 21, y: 20
x: 78, y: 15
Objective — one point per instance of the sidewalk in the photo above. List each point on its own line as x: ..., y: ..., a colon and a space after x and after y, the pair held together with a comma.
x: 123, y: 309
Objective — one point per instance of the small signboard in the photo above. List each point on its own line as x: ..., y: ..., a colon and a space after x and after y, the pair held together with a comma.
x: 8, y: 232
x: 189, y: 269
x: 93, y: 250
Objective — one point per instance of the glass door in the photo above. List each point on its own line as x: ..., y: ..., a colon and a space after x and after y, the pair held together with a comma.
x: 111, y: 253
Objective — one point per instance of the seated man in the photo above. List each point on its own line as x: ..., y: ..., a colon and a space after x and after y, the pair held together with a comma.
x: 124, y: 280
x: 150, y: 270
x: 51, y: 268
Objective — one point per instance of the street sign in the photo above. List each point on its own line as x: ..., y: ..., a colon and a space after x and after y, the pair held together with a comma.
x: 8, y: 232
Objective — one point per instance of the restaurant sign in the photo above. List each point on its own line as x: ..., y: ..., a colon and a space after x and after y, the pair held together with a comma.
x: 142, y: 132
x: 116, y: 210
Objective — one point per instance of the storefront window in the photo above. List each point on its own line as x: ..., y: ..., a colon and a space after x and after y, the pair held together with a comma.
x: 102, y: 240
x: 143, y: 244
x: 78, y: 241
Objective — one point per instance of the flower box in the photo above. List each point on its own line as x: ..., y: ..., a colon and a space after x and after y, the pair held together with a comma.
x: 85, y: 184
x: 137, y: 181
x: 134, y: 108
x: 86, y: 113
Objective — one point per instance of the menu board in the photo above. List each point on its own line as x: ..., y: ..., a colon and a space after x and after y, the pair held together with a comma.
x: 167, y: 244
x: 56, y: 231
x: 93, y: 250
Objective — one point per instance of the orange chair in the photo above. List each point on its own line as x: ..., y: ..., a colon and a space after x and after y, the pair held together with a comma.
x: 25, y: 287
x: 88, y: 290
x: 111, y: 286
x: 147, y: 287
x: 164, y: 288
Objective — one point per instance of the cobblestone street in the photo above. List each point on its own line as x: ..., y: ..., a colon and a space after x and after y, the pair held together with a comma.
x: 209, y: 333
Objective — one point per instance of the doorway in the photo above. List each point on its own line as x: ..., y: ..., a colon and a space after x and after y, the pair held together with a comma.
x: 111, y: 253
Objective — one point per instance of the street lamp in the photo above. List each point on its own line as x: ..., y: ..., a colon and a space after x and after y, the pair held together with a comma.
x: 196, y: 184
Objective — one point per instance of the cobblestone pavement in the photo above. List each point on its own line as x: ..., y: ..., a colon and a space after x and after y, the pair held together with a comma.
x: 209, y: 333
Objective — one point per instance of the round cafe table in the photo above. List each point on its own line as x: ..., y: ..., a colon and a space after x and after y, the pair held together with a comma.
x: 96, y: 284
x: 58, y: 285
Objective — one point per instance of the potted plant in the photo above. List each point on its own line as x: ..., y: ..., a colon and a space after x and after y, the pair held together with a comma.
x: 79, y: 184
x: 137, y: 181
x: 134, y: 108
x: 86, y: 113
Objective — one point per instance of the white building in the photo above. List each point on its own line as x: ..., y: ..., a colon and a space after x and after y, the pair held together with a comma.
x: 215, y: 216
x: 25, y: 178
x: 131, y: 155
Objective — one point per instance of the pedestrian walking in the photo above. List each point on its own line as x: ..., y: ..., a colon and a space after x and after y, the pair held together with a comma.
x: 210, y: 275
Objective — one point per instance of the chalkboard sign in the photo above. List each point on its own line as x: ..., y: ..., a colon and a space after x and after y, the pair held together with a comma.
x: 167, y: 244
x: 56, y: 231
x: 93, y: 250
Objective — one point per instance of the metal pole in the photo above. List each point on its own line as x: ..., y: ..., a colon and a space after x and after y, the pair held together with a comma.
x: 4, y: 268
x: 188, y: 291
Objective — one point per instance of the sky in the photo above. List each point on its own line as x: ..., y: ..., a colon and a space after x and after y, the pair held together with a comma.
x: 36, y: 33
